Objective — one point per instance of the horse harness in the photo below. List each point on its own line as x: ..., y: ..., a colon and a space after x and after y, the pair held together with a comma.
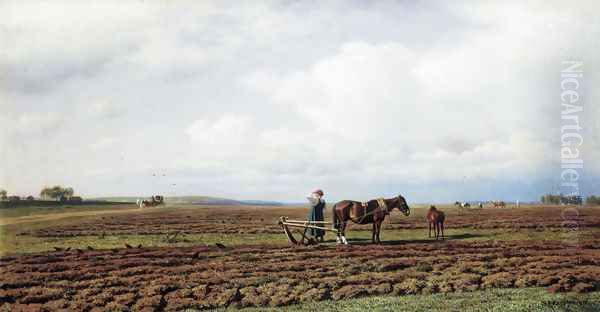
x: 381, y: 205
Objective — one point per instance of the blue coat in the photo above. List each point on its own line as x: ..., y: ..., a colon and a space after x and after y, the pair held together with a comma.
x: 316, y: 214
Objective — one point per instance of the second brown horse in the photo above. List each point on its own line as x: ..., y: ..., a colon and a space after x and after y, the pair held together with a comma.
x: 436, y: 218
x: 373, y: 211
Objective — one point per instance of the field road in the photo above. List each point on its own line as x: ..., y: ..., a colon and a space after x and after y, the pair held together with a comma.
x: 62, y: 215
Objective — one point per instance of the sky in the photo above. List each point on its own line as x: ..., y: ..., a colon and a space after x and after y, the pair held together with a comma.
x: 436, y: 100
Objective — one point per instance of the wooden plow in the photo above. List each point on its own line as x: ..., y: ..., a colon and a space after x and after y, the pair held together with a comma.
x: 303, y: 224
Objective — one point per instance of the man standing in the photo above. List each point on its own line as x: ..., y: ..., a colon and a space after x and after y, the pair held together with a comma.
x: 317, y: 205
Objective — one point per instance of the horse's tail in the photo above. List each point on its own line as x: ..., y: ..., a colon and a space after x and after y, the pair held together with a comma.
x: 335, y: 220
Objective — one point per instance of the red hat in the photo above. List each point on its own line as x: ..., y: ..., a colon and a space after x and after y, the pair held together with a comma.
x: 318, y: 191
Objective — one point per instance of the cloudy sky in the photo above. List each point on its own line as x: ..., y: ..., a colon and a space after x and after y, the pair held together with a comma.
x: 438, y: 101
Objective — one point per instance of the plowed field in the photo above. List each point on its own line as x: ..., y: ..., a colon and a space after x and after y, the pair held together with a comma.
x: 264, y: 220
x: 202, y: 277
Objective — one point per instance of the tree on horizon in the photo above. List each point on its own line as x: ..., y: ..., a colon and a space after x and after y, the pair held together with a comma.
x: 57, y: 192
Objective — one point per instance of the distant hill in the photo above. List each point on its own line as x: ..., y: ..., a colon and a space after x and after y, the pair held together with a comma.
x: 118, y: 199
x: 198, y: 200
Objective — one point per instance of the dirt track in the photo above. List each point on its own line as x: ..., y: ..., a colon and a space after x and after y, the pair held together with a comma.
x: 204, y: 277
x: 64, y: 215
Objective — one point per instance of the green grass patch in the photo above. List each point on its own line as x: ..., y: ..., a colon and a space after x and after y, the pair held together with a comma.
x: 12, y: 243
x: 18, y: 238
x: 32, y: 244
x: 505, y: 300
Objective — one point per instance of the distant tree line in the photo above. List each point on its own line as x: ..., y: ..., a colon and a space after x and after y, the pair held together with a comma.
x: 593, y: 200
x: 569, y: 199
x: 56, y: 192
x: 562, y: 199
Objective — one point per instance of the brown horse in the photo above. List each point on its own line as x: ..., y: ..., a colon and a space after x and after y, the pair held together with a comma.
x: 436, y: 218
x: 373, y: 211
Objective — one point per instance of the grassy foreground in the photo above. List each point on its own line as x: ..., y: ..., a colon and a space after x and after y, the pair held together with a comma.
x: 509, y: 300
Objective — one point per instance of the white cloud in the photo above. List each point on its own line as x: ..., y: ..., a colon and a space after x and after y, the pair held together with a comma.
x: 106, y: 109
x: 228, y: 130
x: 104, y: 143
x: 372, y: 99
x: 267, y: 99
x: 36, y: 123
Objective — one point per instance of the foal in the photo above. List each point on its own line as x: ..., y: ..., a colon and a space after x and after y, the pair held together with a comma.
x: 436, y: 218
